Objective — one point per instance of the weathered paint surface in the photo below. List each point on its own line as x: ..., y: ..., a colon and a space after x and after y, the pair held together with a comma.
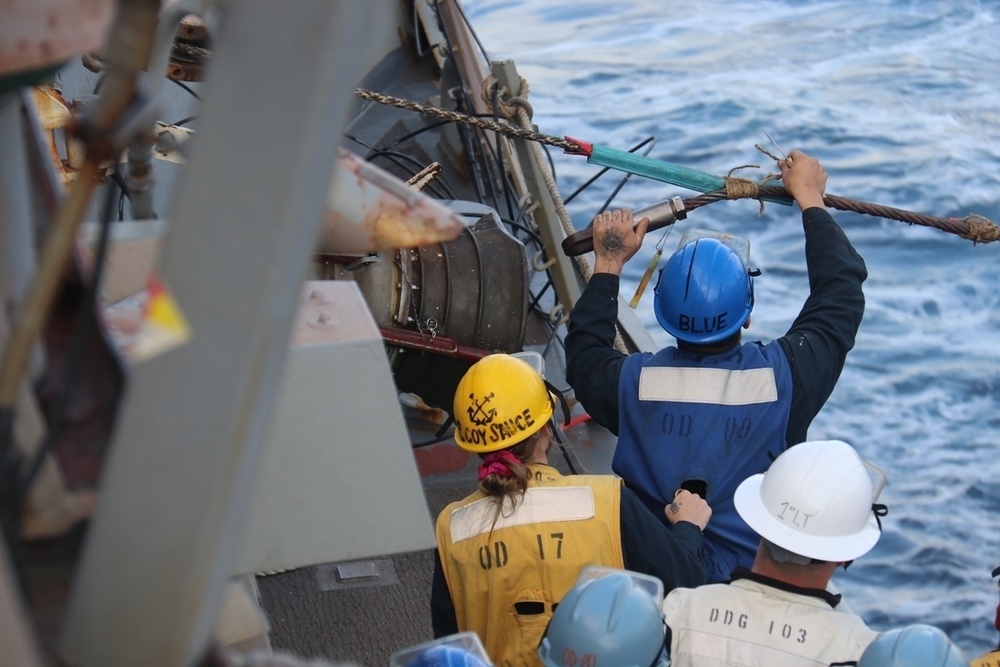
x: 41, y: 33
x: 368, y: 210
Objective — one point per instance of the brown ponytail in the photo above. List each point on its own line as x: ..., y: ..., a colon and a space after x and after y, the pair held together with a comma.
x: 505, y: 477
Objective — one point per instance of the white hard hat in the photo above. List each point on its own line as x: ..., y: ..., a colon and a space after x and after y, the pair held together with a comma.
x: 815, y: 501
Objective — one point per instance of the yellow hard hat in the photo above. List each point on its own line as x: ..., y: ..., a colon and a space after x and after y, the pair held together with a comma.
x: 500, y: 402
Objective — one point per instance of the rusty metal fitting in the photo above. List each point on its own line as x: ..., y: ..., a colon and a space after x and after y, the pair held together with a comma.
x: 190, y: 50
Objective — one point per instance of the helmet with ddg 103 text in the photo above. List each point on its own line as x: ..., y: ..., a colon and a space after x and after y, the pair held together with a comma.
x: 612, y: 619
x: 815, y: 501
x: 916, y: 645
x: 704, y: 293
x: 500, y: 401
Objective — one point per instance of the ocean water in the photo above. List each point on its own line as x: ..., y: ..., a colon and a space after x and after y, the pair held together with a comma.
x: 899, y: 100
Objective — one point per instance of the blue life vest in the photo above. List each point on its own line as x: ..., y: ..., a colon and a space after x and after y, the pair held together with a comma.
x: 716, y: 418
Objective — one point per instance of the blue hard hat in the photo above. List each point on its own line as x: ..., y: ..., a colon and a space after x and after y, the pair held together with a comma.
x: 704, y: 293
x: 605, y: 621
x: 446, y: 656
x: 915, y: 645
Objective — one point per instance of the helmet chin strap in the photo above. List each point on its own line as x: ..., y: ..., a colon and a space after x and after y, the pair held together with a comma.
x: 563, y: 403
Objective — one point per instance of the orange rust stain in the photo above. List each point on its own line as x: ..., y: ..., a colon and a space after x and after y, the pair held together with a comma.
x: 440, y: 459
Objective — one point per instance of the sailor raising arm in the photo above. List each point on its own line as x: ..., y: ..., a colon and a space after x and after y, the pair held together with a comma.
x: 713, y: 409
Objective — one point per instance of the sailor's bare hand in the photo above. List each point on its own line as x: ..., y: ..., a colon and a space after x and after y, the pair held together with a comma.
x: 804, y: 178
x: 615, y: 240
x: 689, y: 507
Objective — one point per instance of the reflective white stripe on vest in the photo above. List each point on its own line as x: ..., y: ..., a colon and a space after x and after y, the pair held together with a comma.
x: 717, y: 386
x: 539, y: 505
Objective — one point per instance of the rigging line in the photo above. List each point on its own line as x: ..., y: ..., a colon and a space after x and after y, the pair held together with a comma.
x: 468, y: 25
x: 416, y: 34
x: 465, y: 98
x: 522, y: 222
x: 499, y: 153
x: 614, y: 193
x: 587, y: 184
x: 119, y: 181
x: 522, y: 211
x: 187, y: 88
x: 562, y: 343
x: 553, y: 328
x: 504, y: 176
x: 973, y: 227
x: 418, y: 132
x: 432, y: 441
x: 534, y: 237
x: 552, y: 164
x: 538, y: 297
x: 623, y: 181
x: 552, y: 336
x: 482, y: 184
x: 486, y: 149
x: 486, y: 124
x: 604, y: 170
x: 440, y: 123
x: 561, y: 441
x: 441, y: 435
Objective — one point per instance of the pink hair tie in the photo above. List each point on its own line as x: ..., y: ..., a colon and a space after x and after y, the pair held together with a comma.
x: 495, y: 463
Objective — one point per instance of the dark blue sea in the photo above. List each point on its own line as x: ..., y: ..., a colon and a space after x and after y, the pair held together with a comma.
x: 900, y: 101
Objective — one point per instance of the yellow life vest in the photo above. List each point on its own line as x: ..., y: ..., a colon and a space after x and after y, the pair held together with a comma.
x: 506, y: 576
x: 991, y: 659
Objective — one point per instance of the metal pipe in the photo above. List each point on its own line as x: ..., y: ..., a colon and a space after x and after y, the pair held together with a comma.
x: 660, y: 214
x: 438, y: 345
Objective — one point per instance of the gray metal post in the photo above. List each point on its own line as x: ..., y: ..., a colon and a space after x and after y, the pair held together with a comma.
x: 17, y: 262
x: 564, y: 276
x: 183, y: 461
x: 17, y: 248
x: 17, y: 644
